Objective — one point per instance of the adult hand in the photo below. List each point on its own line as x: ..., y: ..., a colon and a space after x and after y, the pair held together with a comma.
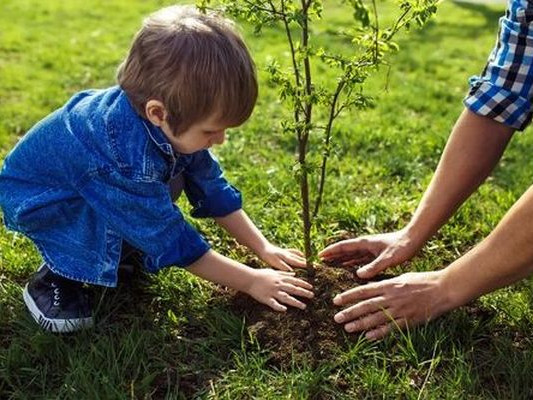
x: 378, y: 252
x: 405, y: 300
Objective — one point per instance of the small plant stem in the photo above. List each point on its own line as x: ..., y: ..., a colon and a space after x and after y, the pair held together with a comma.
x: 332, y: 116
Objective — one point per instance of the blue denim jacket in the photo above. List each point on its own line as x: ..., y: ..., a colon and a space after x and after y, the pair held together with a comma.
x: 94, y: 173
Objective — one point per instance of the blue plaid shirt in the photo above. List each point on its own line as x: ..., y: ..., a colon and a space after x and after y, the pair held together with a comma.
x: 94, y: 173
x: 504, y: 89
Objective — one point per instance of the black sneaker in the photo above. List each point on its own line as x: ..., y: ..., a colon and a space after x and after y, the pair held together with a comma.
x: 57, y: 304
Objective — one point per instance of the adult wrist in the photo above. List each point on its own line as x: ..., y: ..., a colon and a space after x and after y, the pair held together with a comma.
x: 413, y: 237
x: 454, y: 292
x: 416, y: 234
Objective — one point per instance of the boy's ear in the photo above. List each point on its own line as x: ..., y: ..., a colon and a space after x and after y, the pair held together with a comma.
x: 155, y: 112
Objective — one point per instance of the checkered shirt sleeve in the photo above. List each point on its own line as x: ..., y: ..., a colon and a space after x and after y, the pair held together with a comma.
x: 504, y: 89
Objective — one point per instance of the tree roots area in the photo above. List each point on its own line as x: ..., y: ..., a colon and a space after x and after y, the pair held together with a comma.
x: 308, y: 336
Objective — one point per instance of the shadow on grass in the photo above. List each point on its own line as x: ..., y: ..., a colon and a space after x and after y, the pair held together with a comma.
x: 142, y: 346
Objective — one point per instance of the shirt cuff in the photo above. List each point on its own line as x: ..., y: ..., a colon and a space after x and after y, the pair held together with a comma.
x: 218, y: 204
x: 184, y: 250
x: 490, y: 100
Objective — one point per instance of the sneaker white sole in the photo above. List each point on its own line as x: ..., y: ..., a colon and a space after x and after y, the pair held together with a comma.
x: 54, y: 325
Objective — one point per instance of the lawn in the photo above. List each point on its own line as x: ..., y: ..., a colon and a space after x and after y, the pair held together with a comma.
x: 170, y: 335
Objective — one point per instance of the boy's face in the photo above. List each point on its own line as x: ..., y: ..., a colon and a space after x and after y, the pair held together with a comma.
x: 199, y: 136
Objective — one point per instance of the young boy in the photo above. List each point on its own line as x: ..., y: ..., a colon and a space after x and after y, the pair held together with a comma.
x: 95, y: 176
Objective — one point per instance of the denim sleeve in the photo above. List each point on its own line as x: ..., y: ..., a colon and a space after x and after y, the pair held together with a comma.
x: 207, y: 189
x: 143, y: 214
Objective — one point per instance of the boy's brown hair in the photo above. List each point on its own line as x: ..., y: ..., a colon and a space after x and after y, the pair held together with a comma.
x: 195, y: 64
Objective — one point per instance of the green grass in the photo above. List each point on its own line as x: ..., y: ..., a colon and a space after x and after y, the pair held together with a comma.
x: 166, y: 336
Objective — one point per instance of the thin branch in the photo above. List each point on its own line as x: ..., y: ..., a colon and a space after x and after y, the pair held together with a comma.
x: 398, y: 24
x: 296, y: 70
x: 376, y: 29
x: 264, y: 9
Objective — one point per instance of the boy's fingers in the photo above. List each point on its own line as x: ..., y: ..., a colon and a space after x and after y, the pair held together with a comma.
x: 273, y: 303
x: 283, y: 266
x: 286, y: 273
x: 296, y: 261
x: 299, y: 282
x: 297, y: 252
x: 298, y: 291
x: 291, y: 301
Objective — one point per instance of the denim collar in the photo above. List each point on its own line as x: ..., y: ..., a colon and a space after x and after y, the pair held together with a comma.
x: 158, y: 137
x: 154, y: 132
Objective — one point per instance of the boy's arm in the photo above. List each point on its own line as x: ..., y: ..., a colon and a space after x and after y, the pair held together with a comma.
x: 241, y: 227
x: 273, y: 288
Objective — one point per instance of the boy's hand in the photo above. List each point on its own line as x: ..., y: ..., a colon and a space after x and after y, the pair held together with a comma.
x: 282, y: 259
x: 275, y: 289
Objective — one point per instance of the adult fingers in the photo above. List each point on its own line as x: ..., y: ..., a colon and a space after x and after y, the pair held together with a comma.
x: 360, y: 310
x: 383, y: 330
x: 369, y: 322
x: 380, y: 264
x: 356, y: 261
x: 289, y: 300
x: 298, y: 291
x: 343, y: 247
x: 359, y: 293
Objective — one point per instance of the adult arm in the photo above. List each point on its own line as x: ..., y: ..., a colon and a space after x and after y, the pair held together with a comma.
x: 475, y: 146
x: 504, y: 257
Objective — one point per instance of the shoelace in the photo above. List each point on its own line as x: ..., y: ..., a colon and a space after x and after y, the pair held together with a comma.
x: 57, y: 294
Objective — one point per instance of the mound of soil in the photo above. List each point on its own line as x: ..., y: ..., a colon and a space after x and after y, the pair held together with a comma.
x: 310, y: 336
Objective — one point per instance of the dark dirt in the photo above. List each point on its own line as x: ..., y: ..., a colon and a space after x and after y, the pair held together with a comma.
x: 310, y: 336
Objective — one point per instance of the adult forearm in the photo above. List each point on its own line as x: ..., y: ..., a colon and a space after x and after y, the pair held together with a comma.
x: 475, y: 146
x: 504, y: 257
